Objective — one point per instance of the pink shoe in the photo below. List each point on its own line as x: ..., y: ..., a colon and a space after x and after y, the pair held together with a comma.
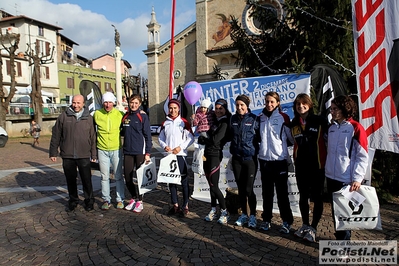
x: 139, y: 206
x: 131, y: 205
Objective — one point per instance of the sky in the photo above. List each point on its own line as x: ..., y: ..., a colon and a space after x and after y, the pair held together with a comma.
x: 88, y: 23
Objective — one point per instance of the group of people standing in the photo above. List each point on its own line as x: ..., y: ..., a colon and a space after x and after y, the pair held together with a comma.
x: 81, y: 139
x: 337, y: 151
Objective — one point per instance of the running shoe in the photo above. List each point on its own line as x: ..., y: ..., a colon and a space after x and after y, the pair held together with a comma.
x: 265, y: 226
x: 131, y: 205
x: 139, y: 206
x: 174, y: 210
x: 301, y: 231
x: 243, y: 219
x: 105, y: 206
x: 211, y: 216
x: 184, y: 212
x: 120, y: 205
x: 252, y: 221
x: 310, y: 235
x: 224, y: 217
x: 285, y: 228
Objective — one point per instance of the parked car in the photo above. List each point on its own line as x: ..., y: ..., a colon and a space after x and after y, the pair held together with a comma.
x: 3, y: 137
x: 155, y: 129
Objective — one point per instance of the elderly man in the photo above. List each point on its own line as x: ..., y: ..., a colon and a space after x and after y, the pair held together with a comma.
x: 74, y: 136
x: 108, y: 120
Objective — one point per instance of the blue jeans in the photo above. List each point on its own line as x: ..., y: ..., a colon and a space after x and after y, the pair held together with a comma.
x: 106, y: 159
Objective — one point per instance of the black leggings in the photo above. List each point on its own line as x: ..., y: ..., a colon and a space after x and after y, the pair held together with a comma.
x: 310, y: 185
x: 131, y: 164
x: 244, y: 174
x: 212, y: 173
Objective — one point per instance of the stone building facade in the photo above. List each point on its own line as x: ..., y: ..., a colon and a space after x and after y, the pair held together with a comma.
x: 199, y: 49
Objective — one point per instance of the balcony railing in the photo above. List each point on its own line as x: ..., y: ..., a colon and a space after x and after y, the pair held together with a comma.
x: 17, y: 111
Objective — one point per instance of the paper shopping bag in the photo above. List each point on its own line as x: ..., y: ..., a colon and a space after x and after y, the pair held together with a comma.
x: 147, y: 177
x: 349, y: 215
x: 169, y: 171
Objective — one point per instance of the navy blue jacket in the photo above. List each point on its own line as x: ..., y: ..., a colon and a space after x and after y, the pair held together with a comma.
x: 244, y: 141
x: 137, y: 133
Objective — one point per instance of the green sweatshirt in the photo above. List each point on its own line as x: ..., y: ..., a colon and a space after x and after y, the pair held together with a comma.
x: 108, y: 129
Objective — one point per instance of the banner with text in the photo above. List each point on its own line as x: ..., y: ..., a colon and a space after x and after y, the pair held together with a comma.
x: 376, y: 42
x: 288, y: 86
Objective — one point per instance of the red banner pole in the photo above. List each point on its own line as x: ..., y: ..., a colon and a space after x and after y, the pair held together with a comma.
x: 172, y: 52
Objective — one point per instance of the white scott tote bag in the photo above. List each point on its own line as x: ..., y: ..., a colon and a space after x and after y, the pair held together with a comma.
x: 349, y: 214
x: 197, y: 164
x: 147, y: 177
x: 168, y: 171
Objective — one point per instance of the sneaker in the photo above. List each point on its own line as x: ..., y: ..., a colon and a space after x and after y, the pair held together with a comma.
x: 285, y: 228
x: 211, y: 216
x: 120, y: 205
x: 105, y: 206
x: 243, y: 219
x: 71, y: 207
x: 301, y: 231
x: 139, y: 206
x: 131, y: 205
x: 252, y: 221
x: 184, y: 212
x: 265, y: 226
x: 224, y: 217
x: 310, y: 234
x: 174, y: 210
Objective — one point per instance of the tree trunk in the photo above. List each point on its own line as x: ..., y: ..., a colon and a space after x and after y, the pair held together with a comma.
x: 36, y: 94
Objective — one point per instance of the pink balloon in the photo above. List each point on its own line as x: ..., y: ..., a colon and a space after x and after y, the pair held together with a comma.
x: 192, y: 92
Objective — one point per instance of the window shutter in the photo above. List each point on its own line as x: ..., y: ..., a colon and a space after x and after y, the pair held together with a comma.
x: 47, y: 48
x: 8, y: 67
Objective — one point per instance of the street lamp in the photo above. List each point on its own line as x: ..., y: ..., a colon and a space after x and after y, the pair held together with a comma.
x: 76, y: 70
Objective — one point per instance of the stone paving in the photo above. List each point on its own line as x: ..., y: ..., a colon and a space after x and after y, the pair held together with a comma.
x: 35, y: 229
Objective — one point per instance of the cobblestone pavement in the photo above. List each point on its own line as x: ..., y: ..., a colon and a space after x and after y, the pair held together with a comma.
x: 35, y: 229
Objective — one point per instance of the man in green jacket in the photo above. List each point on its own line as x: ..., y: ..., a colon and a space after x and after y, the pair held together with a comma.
x: 108, y: 120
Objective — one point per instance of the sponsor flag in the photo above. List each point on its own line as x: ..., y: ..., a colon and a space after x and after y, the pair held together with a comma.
x: 375, y: 25
x: 327, y: 84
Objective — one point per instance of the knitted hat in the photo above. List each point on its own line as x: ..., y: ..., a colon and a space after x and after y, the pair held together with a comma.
x: 175, y: 101
x: 223, y: 103
x: 109, y: 97
x: 244, y: 98
x: 206, y: 103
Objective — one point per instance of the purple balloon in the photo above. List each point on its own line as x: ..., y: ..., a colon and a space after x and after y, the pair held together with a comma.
x: 192, y: 92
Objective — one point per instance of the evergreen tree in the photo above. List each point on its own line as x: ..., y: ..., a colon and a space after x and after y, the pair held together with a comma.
x: 310, y: 33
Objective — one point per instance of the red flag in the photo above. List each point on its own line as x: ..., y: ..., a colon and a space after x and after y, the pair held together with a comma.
x: 172, y: 52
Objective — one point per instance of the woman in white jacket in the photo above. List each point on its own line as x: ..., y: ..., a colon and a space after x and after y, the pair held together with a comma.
x: 273, y: 155
x: 347, y: 155
x: 175, y: 137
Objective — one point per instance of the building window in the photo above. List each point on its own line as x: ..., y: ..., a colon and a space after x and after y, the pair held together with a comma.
x: 41, y: 31
x: 18, y: 69
x: 44, y: 72
x: 70, y: 83
x: 108, y: 87
x: 44, y: 47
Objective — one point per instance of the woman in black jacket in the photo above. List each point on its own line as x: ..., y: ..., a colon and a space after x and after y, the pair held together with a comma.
x: 218, y: 136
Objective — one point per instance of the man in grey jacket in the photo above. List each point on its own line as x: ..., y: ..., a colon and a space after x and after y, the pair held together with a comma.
x: 74, y: 136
